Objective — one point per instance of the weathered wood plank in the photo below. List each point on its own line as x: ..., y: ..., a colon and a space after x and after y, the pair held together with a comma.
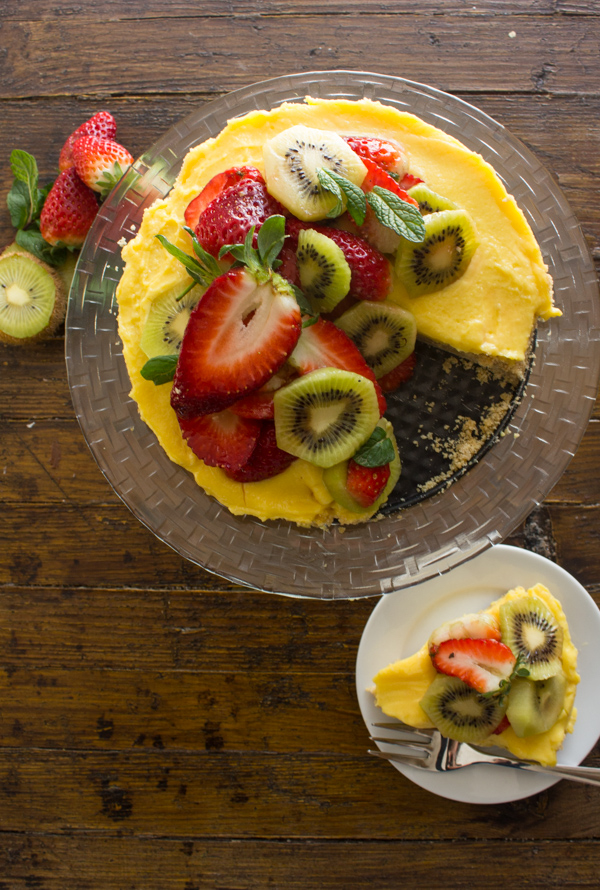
x: 101, y: 546
x: 222, y: 794
x: 100, y: 862
x: 452, y: 52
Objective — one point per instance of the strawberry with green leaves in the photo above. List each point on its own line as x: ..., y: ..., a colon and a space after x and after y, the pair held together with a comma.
x: 102, y: 125
x: 100, y: 163
x: 241, y: 332
x: 68, y: 212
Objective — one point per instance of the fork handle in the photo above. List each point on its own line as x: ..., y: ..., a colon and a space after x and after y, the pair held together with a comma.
x: 588, y: 775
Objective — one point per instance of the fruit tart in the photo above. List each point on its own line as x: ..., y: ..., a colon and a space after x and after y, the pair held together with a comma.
x: 273, y: 300
x: 506, y: 676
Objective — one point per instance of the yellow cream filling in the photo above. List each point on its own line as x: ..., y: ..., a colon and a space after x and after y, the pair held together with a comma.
x: 400, y: 686
x: 492, y: 309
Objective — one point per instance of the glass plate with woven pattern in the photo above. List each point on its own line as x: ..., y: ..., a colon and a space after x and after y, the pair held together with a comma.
x: 434, y: 530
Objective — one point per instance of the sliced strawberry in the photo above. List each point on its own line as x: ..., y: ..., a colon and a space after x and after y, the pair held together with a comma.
x: 259, y: 404
x: 266, y: 460
x: 69, y: 211
x: 221, y: 440
x: 100, y: 163
x: 377, y: 176
x: 398, y: 375
x: 239, y: 335
x: 408, y: 181
x: 504, y: 724
x: 365, y: 484
x: 102, y: 124
x: 383, y: 152
x: 481, y: 664
x: 323, y: 345
x: 230, y: 216
x: 289, y: 266
x: 214, y: 187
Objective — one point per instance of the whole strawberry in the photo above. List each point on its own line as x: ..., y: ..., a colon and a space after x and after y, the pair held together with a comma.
x: 102, y: 124
x: 231, y: 215
x: 69, y: 211
x: 100, y: 163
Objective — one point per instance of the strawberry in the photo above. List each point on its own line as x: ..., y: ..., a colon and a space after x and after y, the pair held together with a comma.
x: 365, y: 484
x: 481, y: 664
x: 102, y: 124
x: 239, y: 335
x: 266, y: 460
x: 221, y: 440
x: 383, y: 152
x: 377, y: 176
x: 372, y: 230
x: 398, y: 375
x: 259, y: 404
x: 370, y: 276
x: 408, y: 180
x: 289, y: 266
x: 230, y: 216
x: 504, y: 724
x: 323, y: 345
x: 100, y: 163
x: 214, y: 187
x: 68, y: 212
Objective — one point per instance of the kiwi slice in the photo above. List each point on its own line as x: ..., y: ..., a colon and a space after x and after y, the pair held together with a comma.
x: 460, y: 712
x: 323, y: 269
x: 32, y: 298
x: 335, y: 478
x: 429, y: 201
x: 442, y: 257
x: 326, y: 415
x: 167, y: 321
x: 292, y: 160
x: 534, y: 706
x: 384, y: 333
x: 530, y: 629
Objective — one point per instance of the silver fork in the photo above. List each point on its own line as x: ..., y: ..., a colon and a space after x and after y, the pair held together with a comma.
x: 429, y: 749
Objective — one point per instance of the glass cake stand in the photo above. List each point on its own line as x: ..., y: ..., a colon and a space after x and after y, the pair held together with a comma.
x: 428, y: 534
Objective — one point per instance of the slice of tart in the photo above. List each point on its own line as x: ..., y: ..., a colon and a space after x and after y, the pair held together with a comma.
x: 506, y: 676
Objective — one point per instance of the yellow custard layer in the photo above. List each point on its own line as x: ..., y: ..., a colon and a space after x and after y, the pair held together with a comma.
x: 492, y: 309
x: 400, y: 686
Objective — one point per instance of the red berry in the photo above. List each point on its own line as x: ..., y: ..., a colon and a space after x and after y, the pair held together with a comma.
x: 214, y: 187
x: 100, y: 163
x: 398, y: 375
x: 68, y: 212
x: 408, y: 181
x: 230, y: 216
x: 239, y: 335
x: 377, y: 176
x: 102, y: 124
x: 323, y: 345
x: 383, y: 152
x: 365, y: 484
x: 221, y: 440
x: 481, y: 664
x: 266, y: 460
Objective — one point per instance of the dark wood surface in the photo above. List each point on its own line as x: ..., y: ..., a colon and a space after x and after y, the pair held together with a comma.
x: 159, y: 727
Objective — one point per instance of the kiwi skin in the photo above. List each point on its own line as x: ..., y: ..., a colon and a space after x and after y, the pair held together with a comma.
x: 60, y: 302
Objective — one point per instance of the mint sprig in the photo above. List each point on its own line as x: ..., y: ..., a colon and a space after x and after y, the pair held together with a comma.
x: 392, y: 211
x: 376, y: 451
x: 25, y: 201
x: 160, y: 369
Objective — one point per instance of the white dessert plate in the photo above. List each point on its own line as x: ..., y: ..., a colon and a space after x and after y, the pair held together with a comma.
x: 402, y: 621
x: 420, y: 541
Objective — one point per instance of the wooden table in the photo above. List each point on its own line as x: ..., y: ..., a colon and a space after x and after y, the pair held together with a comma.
x: 159, y: 727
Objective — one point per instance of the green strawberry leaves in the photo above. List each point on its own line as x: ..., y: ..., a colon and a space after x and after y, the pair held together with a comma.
x: 377, y: 451
x: 203, y: 268
x: 392, y: 211
x: 25, y: 201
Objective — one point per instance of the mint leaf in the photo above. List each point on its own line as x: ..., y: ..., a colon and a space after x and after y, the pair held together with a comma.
x: 24, y: 167
x: 23, y: 200
x: 270, y: 239
x: 201, y: 275
x: 377, y: 450
x: 403, y: 218
x: 160, y: 369
x: 32, y: 241
x: 346, y: 193
x: 18, y: 203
